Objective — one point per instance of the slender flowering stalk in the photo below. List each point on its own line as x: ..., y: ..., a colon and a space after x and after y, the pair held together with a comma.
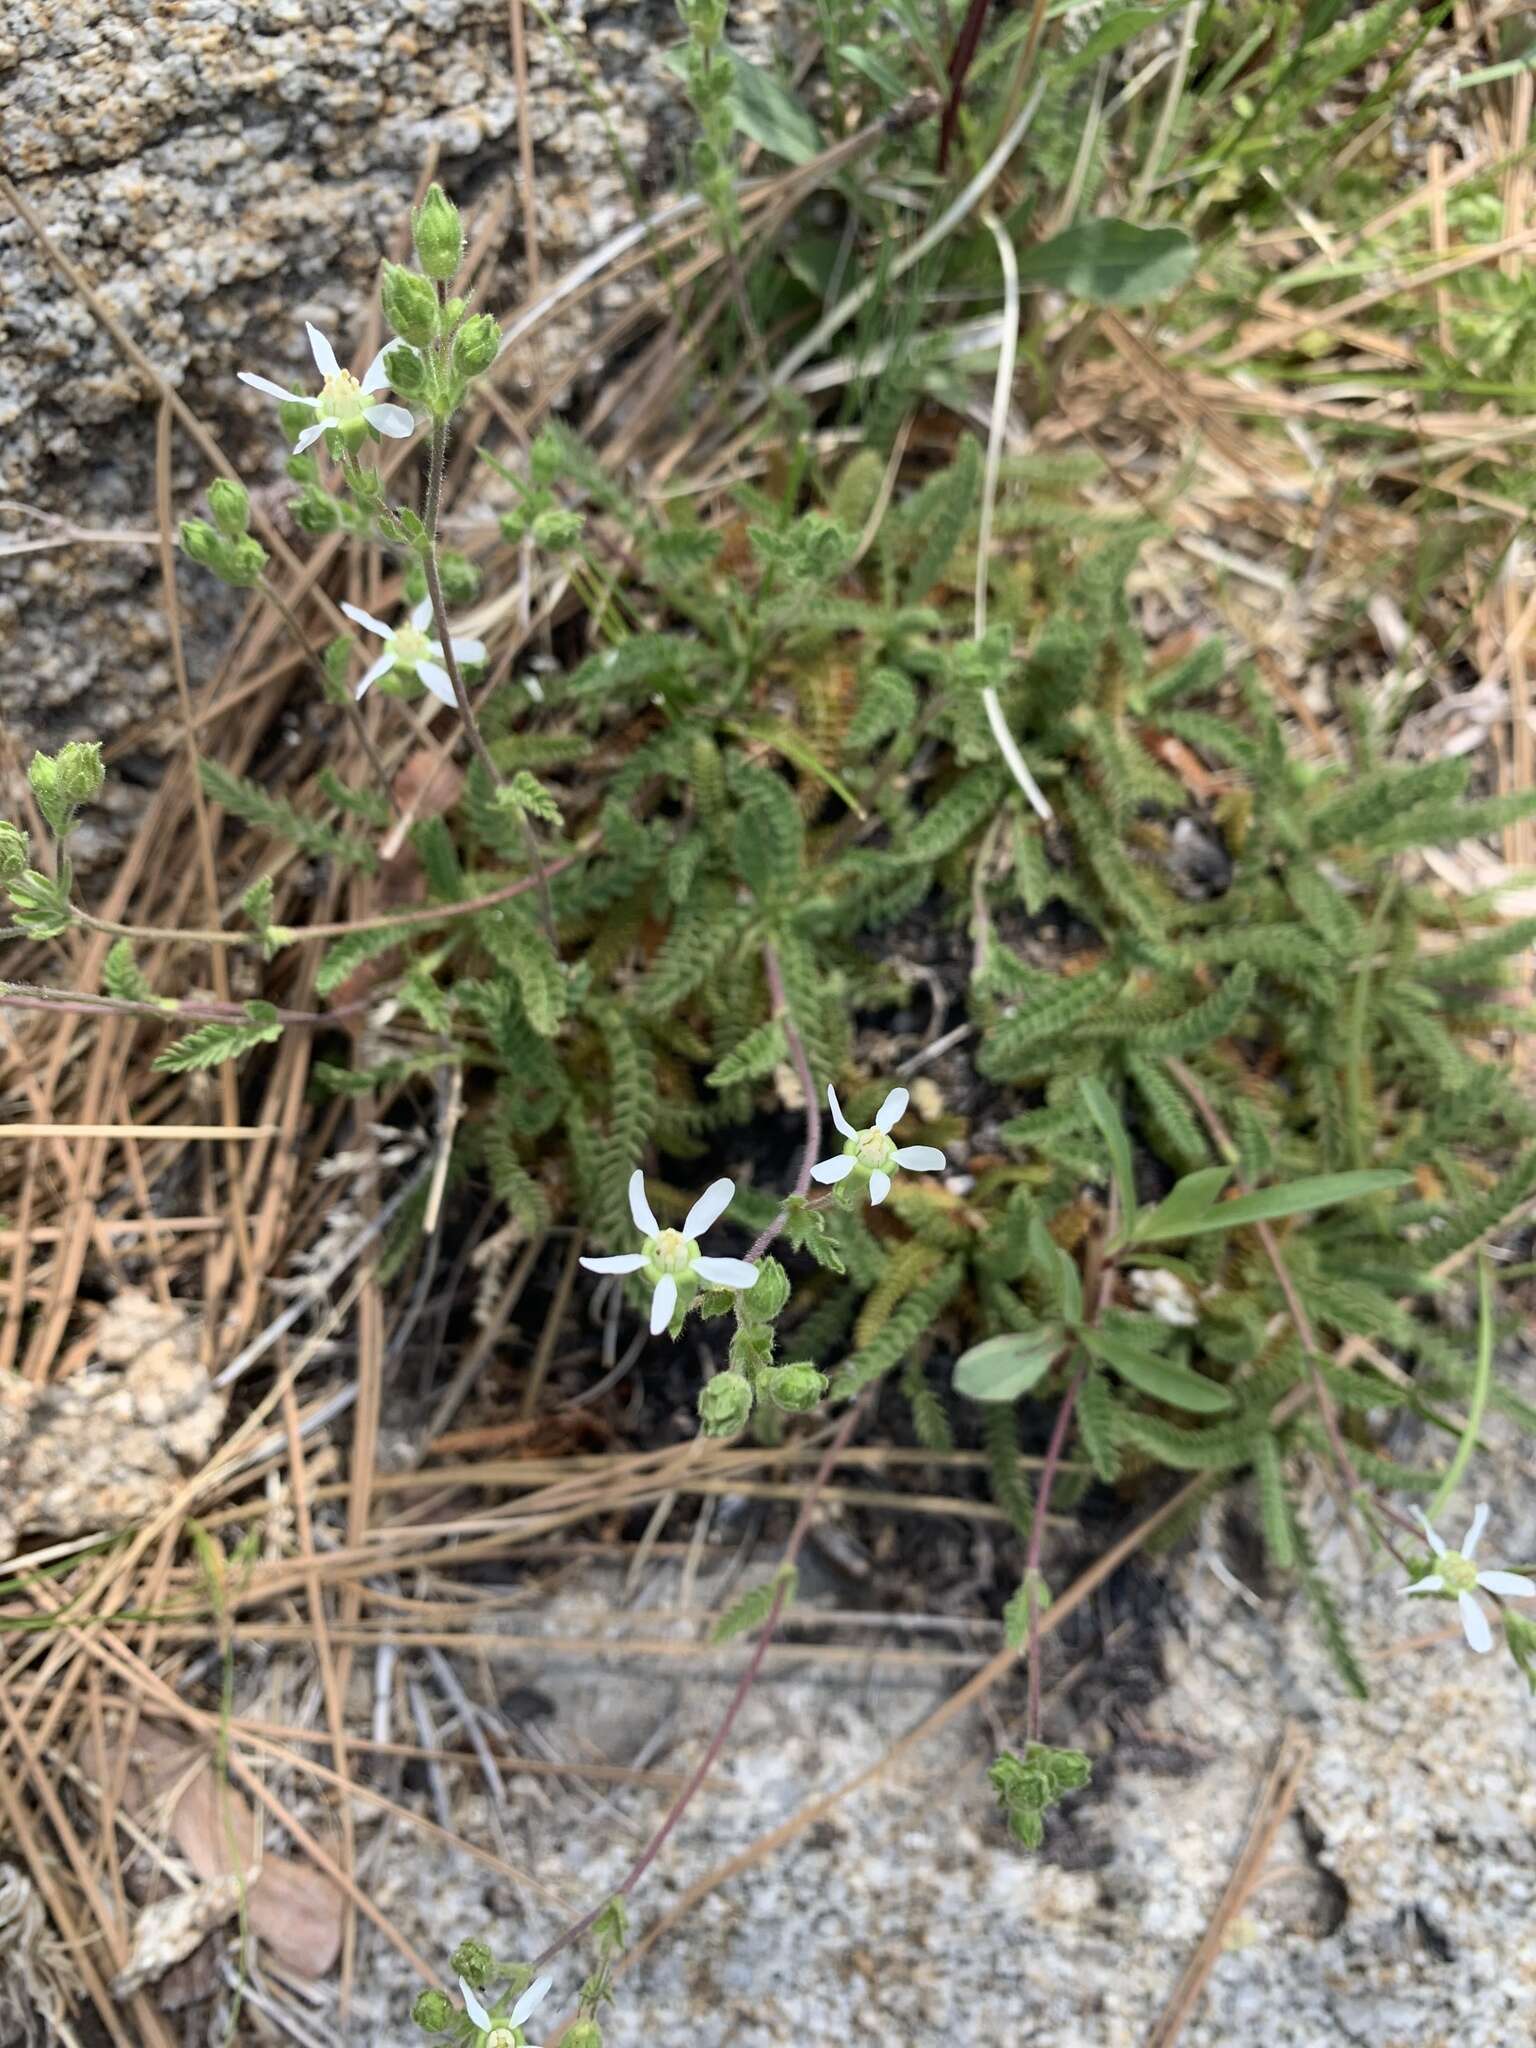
x: 671, y: 1259
x: 413, y: 651
x: 872, y: 1155
x: 345, y: 404
x: 1456, y: 1573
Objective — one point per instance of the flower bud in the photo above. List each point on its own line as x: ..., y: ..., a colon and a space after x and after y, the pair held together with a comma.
x: 315, y: 511
x: 200, y: 542
x: 243, y: 563
x: 230, y: 504
x: 434, y: 2012
x: 461, y: 578
x: 476, y: 345
x: 764, y: 1300
x: 585, y: 2034
x: 546, y: 460
x: 472, y: 1960
x: 15, y: 851
x: 797, y: 1388
x: 438, y: 234
x: 410, y: 304
x: 43, y: 774
x: 408, y: 373
x: 79, y: 770
x: 725, y: 1403
x: 558, y: 528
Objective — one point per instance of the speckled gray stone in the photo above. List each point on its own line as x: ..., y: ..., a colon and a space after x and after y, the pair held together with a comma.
x: 1394, y: 1909
x: 222, y: 171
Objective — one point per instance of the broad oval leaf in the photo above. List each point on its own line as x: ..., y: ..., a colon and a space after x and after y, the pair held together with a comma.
x: 1292, y: 1198
x: 1111, y: 262
x: 1186, y: 1205
x: 1002, y: 1368
x: 1162, y: 1378
x: 769, y: 113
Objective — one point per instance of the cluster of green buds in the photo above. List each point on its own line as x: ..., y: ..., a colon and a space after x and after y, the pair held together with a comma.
x: 442, y: 347
x: 726, y: 1402
x: 1028, y: 1786
x: 710, y: 78
x: 227, y: 547
x: 479, y: 2025
x: 539, y: 514
x: 60, y: 784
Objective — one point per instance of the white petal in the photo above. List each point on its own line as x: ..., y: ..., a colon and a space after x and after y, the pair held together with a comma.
x: 321, y: 350
x: 837, y: 1114
x: 892, y: 1110
x: 531, y: 2000
x: 639, y: 1207
x: 726, y: 1272
x: 421, y: 613
x: 392, y: 420
x: 829, y: 1170
x: 1433, y: 1584
x: 271, y: 390
x: 1429, y: 1535
x: 710, y: 1206
x: 472, y: 2005
x: 621, y: 1262
x: 1513, y: 1585
x: 468, y: 650
x: 437, y: 681
x: 921, y: 1159
x: 1475, y: 1532
x: 1475, y: 1622
x: 359, y: 617
x: 663, y: 1301
x: 879, y: 1187
x: 376, y: 377
x: 310, y: 435
x: 381, y: 667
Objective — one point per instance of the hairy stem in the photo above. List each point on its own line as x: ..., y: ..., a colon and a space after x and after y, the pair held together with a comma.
x: 354, y: 717
x: 802, y: 1065
x: 429, y: 560
x: 1048, y: 1471
x: 744, y: 1684
x: 28, y: 995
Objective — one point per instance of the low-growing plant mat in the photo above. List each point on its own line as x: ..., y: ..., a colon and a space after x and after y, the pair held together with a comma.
x: 1252, y: 574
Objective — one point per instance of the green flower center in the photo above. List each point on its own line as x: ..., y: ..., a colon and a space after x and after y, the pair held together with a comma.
x: 670, y: 1252
x: 872, y: 1150
x: 411, y: 645
x: 504, y: 2037
x: 1458, y: 1572
x: 342, y: 398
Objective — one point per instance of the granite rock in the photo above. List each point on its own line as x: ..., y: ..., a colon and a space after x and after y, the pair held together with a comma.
x: 221, y: 172
x: 1393, y: 1908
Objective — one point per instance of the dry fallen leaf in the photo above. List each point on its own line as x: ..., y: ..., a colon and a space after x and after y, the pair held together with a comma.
x: 295, y: 1911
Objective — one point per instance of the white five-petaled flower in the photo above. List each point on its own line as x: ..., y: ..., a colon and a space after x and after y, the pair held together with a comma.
x: 670, y: 1258
x: 503, y: 2033
x: 343, y: 401
x: 874, y: 1151
x: 411, y: 646
x: 1456, y: 1573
